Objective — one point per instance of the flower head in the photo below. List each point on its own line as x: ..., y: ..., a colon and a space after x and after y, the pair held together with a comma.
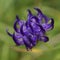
x: 34, y: 29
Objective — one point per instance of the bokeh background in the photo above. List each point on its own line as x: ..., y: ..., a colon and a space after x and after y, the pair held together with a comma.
x: 42, y: 51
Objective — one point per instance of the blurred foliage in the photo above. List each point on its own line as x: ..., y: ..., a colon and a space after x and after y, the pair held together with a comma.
x: 43, y: 51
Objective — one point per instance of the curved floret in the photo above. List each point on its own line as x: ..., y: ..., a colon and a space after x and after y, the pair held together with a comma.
x: 34, y: 29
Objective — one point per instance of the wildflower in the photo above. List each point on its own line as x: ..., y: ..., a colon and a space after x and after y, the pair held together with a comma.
x: 34, y: 29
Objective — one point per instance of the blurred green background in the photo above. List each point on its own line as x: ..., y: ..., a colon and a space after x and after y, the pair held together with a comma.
x: 43, y: 51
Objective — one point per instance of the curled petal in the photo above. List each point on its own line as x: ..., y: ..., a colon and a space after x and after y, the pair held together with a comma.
x: 29, y: 14
x: 15, y: 40
x: 52, y: 23
x: 39, y: 14
x: 34, y: 19
x: 42, y: 29
x: 37, y: 28
x: 46, y: 18
x: 9, y: 33
x: 18, y: 41
x: 29, y: 27
x: 15, y: 24
x: 39, y: 11
x: 17, y: 18
x: 27, y: 43
x: 23, y: 30
x: 19, y: 23
x: 44, y: 38
x: 32, y: 39
x: 49, y: 26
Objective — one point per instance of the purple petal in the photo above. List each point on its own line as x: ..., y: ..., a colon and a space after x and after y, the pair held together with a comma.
x: 32, y: 39
x: 27, y: 43
x: 42, y: 29
x: 52, y: 23
x: 39, y: 11
x: 17, y: 18
x: 27, y: 24
x: 19, y: 23
x: 9, y: 33
x: 23, y: 30
x: 29, y: 14
x: 34, y: 19
x: 18, y: 41
x: 44, y: 38
x: 37, y: 29
x: 39, y: 14
x: 49, y: 26
x: 15, y: 24
x: 46, y: 18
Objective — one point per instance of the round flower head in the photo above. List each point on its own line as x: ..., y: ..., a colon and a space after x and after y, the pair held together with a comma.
x: 34, y: 29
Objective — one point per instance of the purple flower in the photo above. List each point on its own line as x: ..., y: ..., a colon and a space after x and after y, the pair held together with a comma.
x: 34, y: 29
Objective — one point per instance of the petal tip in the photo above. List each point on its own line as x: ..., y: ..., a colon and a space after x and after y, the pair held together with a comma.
x: 8, y: 32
